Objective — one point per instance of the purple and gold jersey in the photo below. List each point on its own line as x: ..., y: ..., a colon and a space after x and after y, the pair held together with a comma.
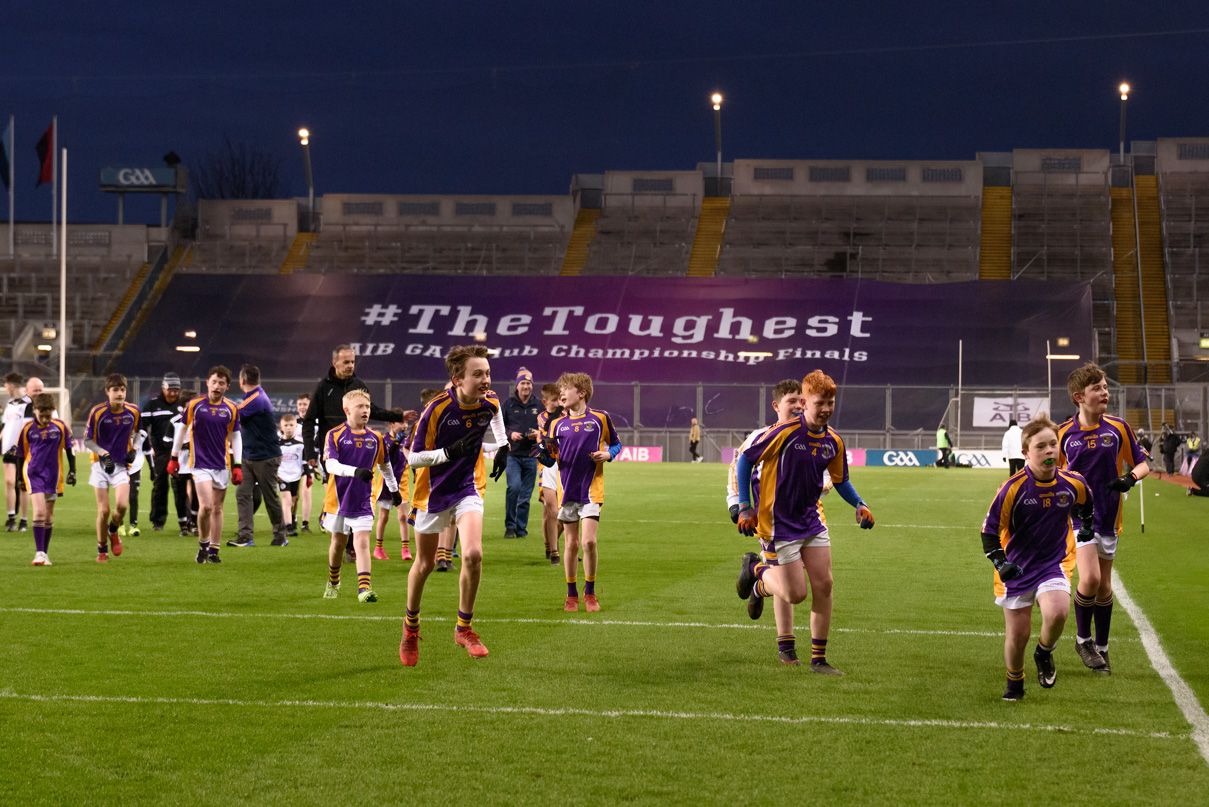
x: 42, y: 451
x: 1032, y: 520
x: 791, y: 461
x: 113, y: 431
x: 573, y: 440
x: 398, y: 464
x: 1099, y: 454
x: 445, y: 420
x: 209, y: 427
x: 347, y: 495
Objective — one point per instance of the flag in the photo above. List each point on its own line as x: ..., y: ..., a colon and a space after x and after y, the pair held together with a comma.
x: 6, y: 150
x: 46, y: 156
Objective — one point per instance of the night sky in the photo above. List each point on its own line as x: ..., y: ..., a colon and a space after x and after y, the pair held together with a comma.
x: 478, y: 97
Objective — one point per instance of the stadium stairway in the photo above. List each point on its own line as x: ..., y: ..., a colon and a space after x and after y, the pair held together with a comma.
x: 995, y: 244
x: 136, y: 283
x: 707, y: 242
x: 1154, y: 281
x: 300, y: 250
x: 581, y: 238
x: 180, y: 255
x: 1125, y: 287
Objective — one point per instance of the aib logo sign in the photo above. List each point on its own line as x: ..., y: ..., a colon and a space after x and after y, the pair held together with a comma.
x: 136, y: 176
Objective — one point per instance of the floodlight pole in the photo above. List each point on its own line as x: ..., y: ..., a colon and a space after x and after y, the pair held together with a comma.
x: 63, y: 290
x: 1124, y: 89
x: 305, y: 137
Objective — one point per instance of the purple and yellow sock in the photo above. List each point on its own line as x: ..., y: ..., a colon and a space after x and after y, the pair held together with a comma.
x: 39, y: 536
x: 333, y: 575
x: 362, y: 582
x: 1015, y: 679
x: 213, y: 550
x: 761, y: 589
x: 572, y: 589
x: 444, y: 554
x: 378, y: 541
x: 759, y: 568
x: 1084, y: 605
x: 589, y: 586
x: 46, y: 528
x: 786, y: 641
x: 411, y: 620
x: 818, y: 651
x: 464, y: 620
x: 1103, y: 619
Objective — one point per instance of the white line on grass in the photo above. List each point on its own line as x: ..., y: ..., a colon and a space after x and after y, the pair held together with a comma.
x: 1185, y: 698
x: 895, y: 526
x: 611, y: 713
x: 517, y: 620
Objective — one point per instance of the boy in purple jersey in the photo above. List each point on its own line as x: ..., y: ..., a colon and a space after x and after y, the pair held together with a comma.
x: 351, y: 451
x: 792, y: 459
x: 396, y: 452
x: 113, y: 435
x: 212, y: 424
x: 581, y: 440
x: 548, y: 484
x: 40, y: 448
x: 446, y: 449
x: 1027, y: 537
x: 1101, y: 448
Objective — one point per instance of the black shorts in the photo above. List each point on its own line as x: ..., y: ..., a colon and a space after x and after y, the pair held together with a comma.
x: 11, y: 460
x: 288, y: 487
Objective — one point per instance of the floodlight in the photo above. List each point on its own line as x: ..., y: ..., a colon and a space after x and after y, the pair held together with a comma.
x: 1124, y: 88
x: 188, y: 348
x: 304, y: 135
x: 716, y: 98
x: 190, y: 334
x: 44, y: 348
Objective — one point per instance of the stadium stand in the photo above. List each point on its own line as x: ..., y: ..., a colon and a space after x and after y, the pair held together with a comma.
x: 646, y: 223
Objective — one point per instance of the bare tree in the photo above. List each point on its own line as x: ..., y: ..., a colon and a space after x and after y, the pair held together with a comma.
x: 238, y: 171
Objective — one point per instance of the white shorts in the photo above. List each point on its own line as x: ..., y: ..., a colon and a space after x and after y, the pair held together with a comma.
x: 549, y: 478
x: 1106, y: 546
x: 571, y: 512
x: 219, y: 479
x: 346, y: 525
x: 429, y: 523
x: 99, y: 479
x: 1027, y: 598
x: 186, y: 468
x: 388, y: 505
x: 789, y: 551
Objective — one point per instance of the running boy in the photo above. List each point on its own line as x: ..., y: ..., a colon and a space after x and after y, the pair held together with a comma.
x: 548, y: 488
x: 289, y: 473
x: 1101, y: 448
x: 396, y: 452
x: 40, y: 448
x: 581, y: 440
x: 114, y: 437
x: 212, y: 424
x: 792, y: 459
x: 351, y: 451
x: 447, y: 448
x: 1027, y: 536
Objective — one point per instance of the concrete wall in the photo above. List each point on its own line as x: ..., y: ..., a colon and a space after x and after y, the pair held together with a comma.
x: 119, y: 242
x: 247, y: 219
x: 1060, y: 166
x: 1192, y: 157
x: 864, y: 178
x: 653, y: 189
x: 392, y: 212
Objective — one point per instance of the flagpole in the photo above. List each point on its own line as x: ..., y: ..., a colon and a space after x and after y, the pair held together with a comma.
x: 12, y: 179
x: 63, y: 286
x: 54, y: 180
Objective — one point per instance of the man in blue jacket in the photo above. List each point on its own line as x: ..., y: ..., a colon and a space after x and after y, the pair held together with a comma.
x: 520, y: 422
x: 261, y: 459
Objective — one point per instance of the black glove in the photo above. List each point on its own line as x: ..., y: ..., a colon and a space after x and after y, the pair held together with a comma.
x: 71, y: 478
x: 364, y: 474
x: 467, y: 446
x: 108, y: 464
x: 1123, y: 483
x: 20, y: 484
x: 1007, y: 570
x: 734, y: 514
x: 1084, y: 535
x: 396, y: 498
x: 501, y: 463
x: 130, y: 455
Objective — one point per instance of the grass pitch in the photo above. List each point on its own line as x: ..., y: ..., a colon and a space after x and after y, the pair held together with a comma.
x: 152, y: 680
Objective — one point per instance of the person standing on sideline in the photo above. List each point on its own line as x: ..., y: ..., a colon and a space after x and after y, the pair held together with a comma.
x: 520, y: 421
x: 158, y: 416
x: 694, y: 437
x: 1168, y: 446
x: 14, y: 414
x: 1192, y: 453
x: 944, y: 445
x: 261, y: 459
x: 1012, y: 448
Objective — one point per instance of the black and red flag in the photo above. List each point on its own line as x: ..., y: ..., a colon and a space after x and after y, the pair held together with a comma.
x: 46, y: 156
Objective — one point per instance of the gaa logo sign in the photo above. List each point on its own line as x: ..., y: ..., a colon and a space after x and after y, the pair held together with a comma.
x: 136, y: 176
x: 974, y: 460
x: 901, y: 458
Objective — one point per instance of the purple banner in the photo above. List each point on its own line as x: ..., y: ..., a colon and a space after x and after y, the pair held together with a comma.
x: 618, y: 329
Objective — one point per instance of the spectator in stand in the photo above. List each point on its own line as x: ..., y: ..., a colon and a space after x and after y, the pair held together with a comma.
x: 158, y: 419
x: 1012, y: 441
x: 520, y: 422
x: 694, y: 437
x: 261, y: 459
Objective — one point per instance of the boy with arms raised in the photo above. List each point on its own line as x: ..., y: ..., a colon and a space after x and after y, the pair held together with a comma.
x: 113, y: 435
x: 396, y: 453
x: 1100, y: 448
x: 350, y: 453
x: 446, y: 449
x: 40, y: 448
x: 794, y: 461
x: 581, y: 440
x: 1027, y: 536
x: 212, y: 424
x: 548, y: 492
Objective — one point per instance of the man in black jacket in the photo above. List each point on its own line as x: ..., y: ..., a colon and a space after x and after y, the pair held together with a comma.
x: 157, y: 419
x: 326, y: 410
x: 520, y: 422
